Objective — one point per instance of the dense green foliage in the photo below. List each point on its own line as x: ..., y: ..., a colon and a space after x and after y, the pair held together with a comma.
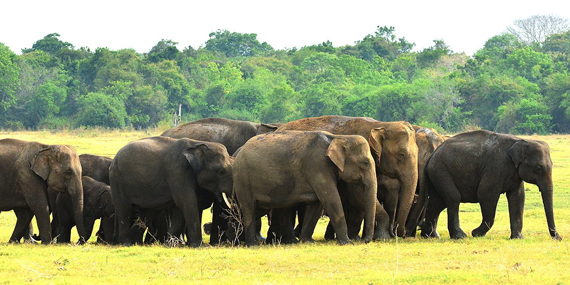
x: 505, y: 86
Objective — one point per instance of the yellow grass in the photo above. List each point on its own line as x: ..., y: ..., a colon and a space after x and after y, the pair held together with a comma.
x: 488, y: 260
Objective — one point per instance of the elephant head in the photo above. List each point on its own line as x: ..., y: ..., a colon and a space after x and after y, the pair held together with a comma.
x: 59, y: 167
x: 399, y: 161
x: 352, y: 157
x: 212, y: 165
x: 533, y: 164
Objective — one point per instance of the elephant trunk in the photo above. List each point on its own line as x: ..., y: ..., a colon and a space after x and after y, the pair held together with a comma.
x: 370, y: 190
x: 76, y: 191
x: 405, y: 201
x: 546, y: 191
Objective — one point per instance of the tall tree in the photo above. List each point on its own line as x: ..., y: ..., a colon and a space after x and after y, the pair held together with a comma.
x: 233, y: 44
x: 9, y: 78
x: 50, y: 44
x: 537, y: 28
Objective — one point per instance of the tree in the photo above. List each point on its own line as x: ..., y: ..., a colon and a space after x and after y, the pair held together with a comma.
x: 383, y: 43
x: 163, y: 50
x: 431, y: 54
x: 537, y: 28
x: 50, y: 44
x: 99, y: 109
x: 9, y: 78
x: 233, y: 44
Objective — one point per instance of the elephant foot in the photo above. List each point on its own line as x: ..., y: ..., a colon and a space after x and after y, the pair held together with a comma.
x: 429, y: 233
x: 355, y: 238
x: 383, y: 235
x: 366, y: 240
x: 458, y: 235
x: 517, y: 236
x: 478, y: 232
x: 307, y: 240
x: 344, y: 241
x: 556, y: 236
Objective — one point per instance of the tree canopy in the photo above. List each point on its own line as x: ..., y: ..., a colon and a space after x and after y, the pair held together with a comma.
x: 508, y: 85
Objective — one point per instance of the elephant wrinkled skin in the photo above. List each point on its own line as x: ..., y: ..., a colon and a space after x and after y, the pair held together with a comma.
x: 27, y: 169
x: 158, y: 173
x: 282, y: 169
x: 397, y: 170
x: 479, y: 166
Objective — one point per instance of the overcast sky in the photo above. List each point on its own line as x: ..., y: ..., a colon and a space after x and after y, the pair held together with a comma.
x: 463, y: 25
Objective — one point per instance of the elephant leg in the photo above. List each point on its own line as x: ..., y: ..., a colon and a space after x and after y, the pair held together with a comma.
x: 455, y: 231
x: 382, y: 228
x: 488, y: 205
x: 333, y: 206
x: 515, y: 199
x: 312, y: 215
x: 390, y: 187
x: 219, y: 223
x: 329, y: 232
x: 40, y: 208
x: 249, y: 223
x: 177, y: 224
x: 434, y: 208
x: 123, y: 214
x: 287, y: 221
x: 354, y: 218
x: 24, y: 217
x: 106, y: 229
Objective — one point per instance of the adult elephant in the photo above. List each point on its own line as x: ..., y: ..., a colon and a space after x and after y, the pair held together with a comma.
x: 231, y: 133
x: 98, y: 204
x: 158, y: 172
x: 427, y: 140
x: 477, y: 167
x: 279, y: 170
x: 397, y: 171
x: 27, y: 169
x: 96, y: 167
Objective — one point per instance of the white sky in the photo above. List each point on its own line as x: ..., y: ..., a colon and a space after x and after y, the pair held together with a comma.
x: 463, y: 25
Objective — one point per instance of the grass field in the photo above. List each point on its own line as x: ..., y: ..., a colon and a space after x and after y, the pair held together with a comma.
x: 488, y: 260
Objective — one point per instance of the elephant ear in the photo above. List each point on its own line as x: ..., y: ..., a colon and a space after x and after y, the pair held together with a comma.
x: 337, y: 152
x: 517, y: 152
x: 375, y: 139
x: 194, y: 154
x: 40, y: 163
x: 266, y: 128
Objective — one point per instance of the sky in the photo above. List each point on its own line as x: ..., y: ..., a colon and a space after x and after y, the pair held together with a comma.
x: 463, y: 25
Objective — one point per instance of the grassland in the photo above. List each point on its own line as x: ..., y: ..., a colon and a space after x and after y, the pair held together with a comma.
x: 488, y: 260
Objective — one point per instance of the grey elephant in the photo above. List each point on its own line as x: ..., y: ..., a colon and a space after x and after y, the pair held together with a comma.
x: 98, y: 204
x: 96, y: 167
x: 27, y: 169
x: 427, y: 140
x: 479, y: 166
x: 231, y: 133
x: 279, y: 170
x: 397, y: 170
x: 158, y: 172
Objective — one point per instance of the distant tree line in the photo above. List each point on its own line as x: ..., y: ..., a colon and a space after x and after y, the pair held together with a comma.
x: 510, y: 85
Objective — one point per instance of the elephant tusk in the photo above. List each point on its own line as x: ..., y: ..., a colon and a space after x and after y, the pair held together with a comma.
x: 226, y: 200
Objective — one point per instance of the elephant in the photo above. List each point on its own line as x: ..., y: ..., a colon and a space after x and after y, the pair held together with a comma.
x: 397, y: 171
x: 427, y: 140
x: 97, y: 204
x: 279, y: 170
x: 96, y: 167
x: 231, y: 133
x: 27, y: 169
x: 479, y: 166
x: 157, y: 173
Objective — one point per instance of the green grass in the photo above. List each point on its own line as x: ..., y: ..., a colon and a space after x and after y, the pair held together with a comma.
x: 488, y: 260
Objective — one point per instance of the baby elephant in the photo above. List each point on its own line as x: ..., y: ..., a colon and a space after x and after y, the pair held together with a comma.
x: 98, y: 203
x: 282, y: 169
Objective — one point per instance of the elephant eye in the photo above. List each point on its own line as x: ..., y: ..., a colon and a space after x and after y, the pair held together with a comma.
x: 221, y: 172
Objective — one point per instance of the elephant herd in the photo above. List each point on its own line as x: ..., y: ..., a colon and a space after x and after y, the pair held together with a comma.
x: 374, y: 180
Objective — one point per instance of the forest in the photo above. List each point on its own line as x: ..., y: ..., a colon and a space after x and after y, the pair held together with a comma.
x: 512, y: 84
